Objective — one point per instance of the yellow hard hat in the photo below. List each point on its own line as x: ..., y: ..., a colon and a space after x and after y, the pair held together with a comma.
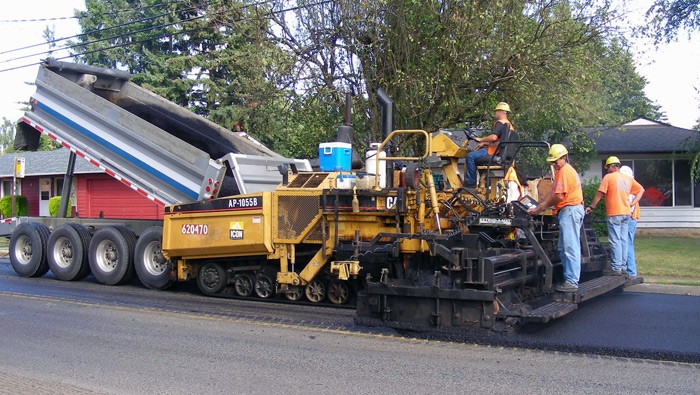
x: 613, y: 160
x: 502, y: 106
x: 556, y: 151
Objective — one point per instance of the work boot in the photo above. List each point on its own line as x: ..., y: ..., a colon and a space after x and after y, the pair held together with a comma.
x: 566, y: 287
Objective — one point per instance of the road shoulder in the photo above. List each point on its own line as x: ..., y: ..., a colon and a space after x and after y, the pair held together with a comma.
x: 669, y: 289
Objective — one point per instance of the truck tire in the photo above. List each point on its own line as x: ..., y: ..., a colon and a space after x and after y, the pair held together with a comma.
x: 67, y: 252
x: 152, y: 268
x: 111, y: 255
x: 28, y: 249
x: 212, y: 278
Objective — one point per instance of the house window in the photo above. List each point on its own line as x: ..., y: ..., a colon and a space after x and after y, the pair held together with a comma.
x: 58, y: 189
x: 58, y: 184
x: 681, y: 183
x: 7, y: 187
x: 667, y: 182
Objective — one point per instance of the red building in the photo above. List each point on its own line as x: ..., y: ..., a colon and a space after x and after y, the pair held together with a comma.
x: 94, y: 194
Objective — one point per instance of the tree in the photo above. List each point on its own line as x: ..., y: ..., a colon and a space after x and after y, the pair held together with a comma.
x: 7, y: 135
x: 694, y: 150
x: 284, y: 65
x: 212, y: 57
x: 560, y: 64
x: 325, y: 68
x: 668, y: 17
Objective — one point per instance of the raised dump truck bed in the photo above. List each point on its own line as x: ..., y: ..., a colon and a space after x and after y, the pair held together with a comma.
x: 153, y: 145
x: 157, y: 148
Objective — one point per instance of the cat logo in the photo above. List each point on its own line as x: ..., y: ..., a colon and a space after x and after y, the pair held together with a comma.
x: 236, y: 230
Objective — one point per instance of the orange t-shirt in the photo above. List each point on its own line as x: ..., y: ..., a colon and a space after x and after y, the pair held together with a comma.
x: 568, y: 183
x: 617, y: 188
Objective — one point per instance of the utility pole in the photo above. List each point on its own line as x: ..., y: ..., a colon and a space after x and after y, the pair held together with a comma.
x: 19, y: 173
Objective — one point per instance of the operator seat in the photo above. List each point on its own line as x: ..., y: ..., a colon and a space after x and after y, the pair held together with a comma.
x: 495, y: 165
x: 504, y: 152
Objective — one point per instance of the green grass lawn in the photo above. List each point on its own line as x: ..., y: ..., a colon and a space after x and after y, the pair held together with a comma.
x: 668, y: 256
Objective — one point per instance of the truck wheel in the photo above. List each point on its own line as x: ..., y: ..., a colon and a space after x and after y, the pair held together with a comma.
x: 294, y: 293
x: 152, y: 268
x: 67, y: 251
x: 212, y: 278
x: 264, y: 287
x: 111, y: 255
x: 338, y: 292
x: 28, y: 249
x: 243, y: 285
x: 315, y: 291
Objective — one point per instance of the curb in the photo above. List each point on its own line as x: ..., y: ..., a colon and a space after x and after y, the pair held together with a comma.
x: 669, y: 289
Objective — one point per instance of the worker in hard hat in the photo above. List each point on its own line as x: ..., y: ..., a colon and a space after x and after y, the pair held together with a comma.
x: 566, y: 195
x: 634, y: 216
x: 487, y: 145
x: 616, y: 187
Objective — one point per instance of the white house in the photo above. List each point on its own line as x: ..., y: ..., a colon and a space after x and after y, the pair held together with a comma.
x: 658, y: 154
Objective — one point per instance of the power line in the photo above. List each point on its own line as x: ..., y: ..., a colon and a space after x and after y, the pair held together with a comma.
x: 67, y: 47
x: 151, y: 38
x: 60, y: 18
x: 54, y: 41
x: 93, y: 31
x: 85, y: 14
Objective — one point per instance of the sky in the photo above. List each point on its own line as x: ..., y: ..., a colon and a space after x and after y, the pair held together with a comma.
x: 671, y: 70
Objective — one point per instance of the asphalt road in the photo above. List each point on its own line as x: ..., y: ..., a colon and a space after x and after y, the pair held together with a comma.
x: 83, y: 337
x: 58, y: 347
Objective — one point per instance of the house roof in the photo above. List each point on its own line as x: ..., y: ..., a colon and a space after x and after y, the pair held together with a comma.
x: 642, y: 136
x: 44, y: 163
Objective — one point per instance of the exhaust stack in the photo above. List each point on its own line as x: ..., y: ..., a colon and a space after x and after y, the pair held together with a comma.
x: 345, y: 131
x: 387, y: 127
x: 387, y: 113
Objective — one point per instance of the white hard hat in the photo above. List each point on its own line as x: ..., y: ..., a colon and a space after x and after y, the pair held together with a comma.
x: 626, y: 170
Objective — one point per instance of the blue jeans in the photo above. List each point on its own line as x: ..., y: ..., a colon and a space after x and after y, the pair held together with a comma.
x: 631, y: 262
x: 470, y: 176
x: 618, y: 233
x: 570, y: 221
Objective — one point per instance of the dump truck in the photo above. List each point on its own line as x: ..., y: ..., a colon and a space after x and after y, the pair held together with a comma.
x: 160, y: 150
x: 402, y: 239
